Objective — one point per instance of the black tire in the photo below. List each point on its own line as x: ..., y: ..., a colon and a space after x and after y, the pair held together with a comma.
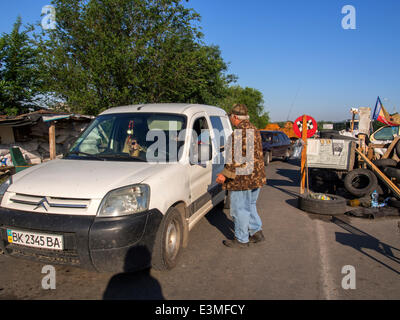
x: 360, y: 182
x: 168, y: 242
x: 383, y: 163
x: 323, y: 180
x: 336, y: 206
x: 397, y: 148
x: 267, y: 158
x: 392, y: 172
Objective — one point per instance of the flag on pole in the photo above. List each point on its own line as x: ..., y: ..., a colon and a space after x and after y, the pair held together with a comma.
x: 380, y: 114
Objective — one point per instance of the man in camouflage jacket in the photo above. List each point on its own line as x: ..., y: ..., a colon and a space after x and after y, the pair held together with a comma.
x: 243, y: 176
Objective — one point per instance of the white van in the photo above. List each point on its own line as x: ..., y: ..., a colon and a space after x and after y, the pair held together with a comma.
x: 126, y: 194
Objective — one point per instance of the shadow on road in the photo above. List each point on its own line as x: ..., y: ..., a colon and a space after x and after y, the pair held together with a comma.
x: 293, y: 180
x: 278, y: 183
x: 138, y: 285
x: 282, y: 183
x: 293, y: 175
x: 219, y: 219
x: 360, y: 240
x: 133, y: 286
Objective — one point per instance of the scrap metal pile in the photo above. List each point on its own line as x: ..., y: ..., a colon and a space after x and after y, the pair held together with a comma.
x: 370, y: 189
x: 347, y: 176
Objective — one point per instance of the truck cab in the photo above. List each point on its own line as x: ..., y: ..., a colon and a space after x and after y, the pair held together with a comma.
x: 126, y: 194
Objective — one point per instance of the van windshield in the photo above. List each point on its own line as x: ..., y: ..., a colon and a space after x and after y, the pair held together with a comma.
x: 131, y: 137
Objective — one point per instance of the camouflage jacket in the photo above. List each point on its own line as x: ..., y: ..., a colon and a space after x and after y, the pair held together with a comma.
x: 244, y: 168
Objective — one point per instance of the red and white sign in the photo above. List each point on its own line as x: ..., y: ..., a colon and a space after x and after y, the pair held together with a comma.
x: 312, y: 126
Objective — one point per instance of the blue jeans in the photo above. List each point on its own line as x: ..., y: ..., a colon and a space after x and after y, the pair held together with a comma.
x: 244, y: 213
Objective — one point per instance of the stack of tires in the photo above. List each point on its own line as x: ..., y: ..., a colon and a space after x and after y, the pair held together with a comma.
x: 362, y: 182
x: 391, y: 169
x: 359, y: 183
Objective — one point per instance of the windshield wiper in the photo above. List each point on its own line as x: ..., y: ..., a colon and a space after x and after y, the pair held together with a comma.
x: 87, y: 154
x: 109, y: 156
x: 122, y: 156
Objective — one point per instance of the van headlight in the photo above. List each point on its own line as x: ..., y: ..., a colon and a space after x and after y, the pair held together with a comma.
x: 3, y: 188
x: 125, y: 201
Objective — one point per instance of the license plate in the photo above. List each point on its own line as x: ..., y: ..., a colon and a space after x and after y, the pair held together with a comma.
x: 37, y: 240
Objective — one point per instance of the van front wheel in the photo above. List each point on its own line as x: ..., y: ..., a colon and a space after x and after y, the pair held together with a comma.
x: 168, y: 241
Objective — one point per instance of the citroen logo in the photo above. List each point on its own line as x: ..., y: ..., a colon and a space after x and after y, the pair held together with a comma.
x: 42, y: 203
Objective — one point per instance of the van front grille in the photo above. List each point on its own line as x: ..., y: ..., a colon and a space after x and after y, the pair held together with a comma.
x: 48, y: 204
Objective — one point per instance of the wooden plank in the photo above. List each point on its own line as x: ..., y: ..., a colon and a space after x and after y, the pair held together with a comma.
x: 303, y: 156
x: 352, y: 156
x: 391, y: 147
x: 381, y: 175
x: 52, y: 141
x: 370, y: 153
x: 371, y: 145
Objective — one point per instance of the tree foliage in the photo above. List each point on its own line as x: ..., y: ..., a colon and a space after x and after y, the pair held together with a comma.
x: 20, y: 80
x: 252, y: 98
x: 106, y: 53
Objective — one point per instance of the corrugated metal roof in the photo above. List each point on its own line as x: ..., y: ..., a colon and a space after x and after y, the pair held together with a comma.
x: 34, y: 117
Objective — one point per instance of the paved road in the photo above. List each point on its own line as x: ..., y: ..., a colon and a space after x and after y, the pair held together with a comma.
x: 302, y: 258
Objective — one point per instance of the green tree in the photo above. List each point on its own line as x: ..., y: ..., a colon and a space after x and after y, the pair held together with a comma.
x: 19, y: 73
x: 105, y: 53
x: 252, y: 98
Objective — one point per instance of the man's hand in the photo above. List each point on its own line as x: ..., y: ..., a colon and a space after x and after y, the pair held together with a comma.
x: 220, y: 179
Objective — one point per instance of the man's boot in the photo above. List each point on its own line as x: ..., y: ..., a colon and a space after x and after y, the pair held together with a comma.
x: 257, y: 237
x: 235, y: 244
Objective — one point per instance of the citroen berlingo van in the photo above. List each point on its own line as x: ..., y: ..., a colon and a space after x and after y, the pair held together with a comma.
x: 125, y: 195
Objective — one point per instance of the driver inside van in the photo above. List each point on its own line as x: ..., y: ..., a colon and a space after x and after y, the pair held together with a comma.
x: 132, y: 146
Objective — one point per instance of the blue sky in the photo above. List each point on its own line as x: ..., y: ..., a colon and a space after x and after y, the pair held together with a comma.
x: 295, y: 52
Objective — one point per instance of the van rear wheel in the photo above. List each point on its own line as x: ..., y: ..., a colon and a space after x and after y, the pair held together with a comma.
x: 168, y: 241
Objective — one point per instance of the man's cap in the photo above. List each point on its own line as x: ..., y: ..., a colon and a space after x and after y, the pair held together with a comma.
x: 239, y: 110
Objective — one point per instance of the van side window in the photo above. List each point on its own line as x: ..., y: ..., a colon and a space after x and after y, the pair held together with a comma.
x: 219, y: 131
x: 200, y: 127
x: 200, y: 136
